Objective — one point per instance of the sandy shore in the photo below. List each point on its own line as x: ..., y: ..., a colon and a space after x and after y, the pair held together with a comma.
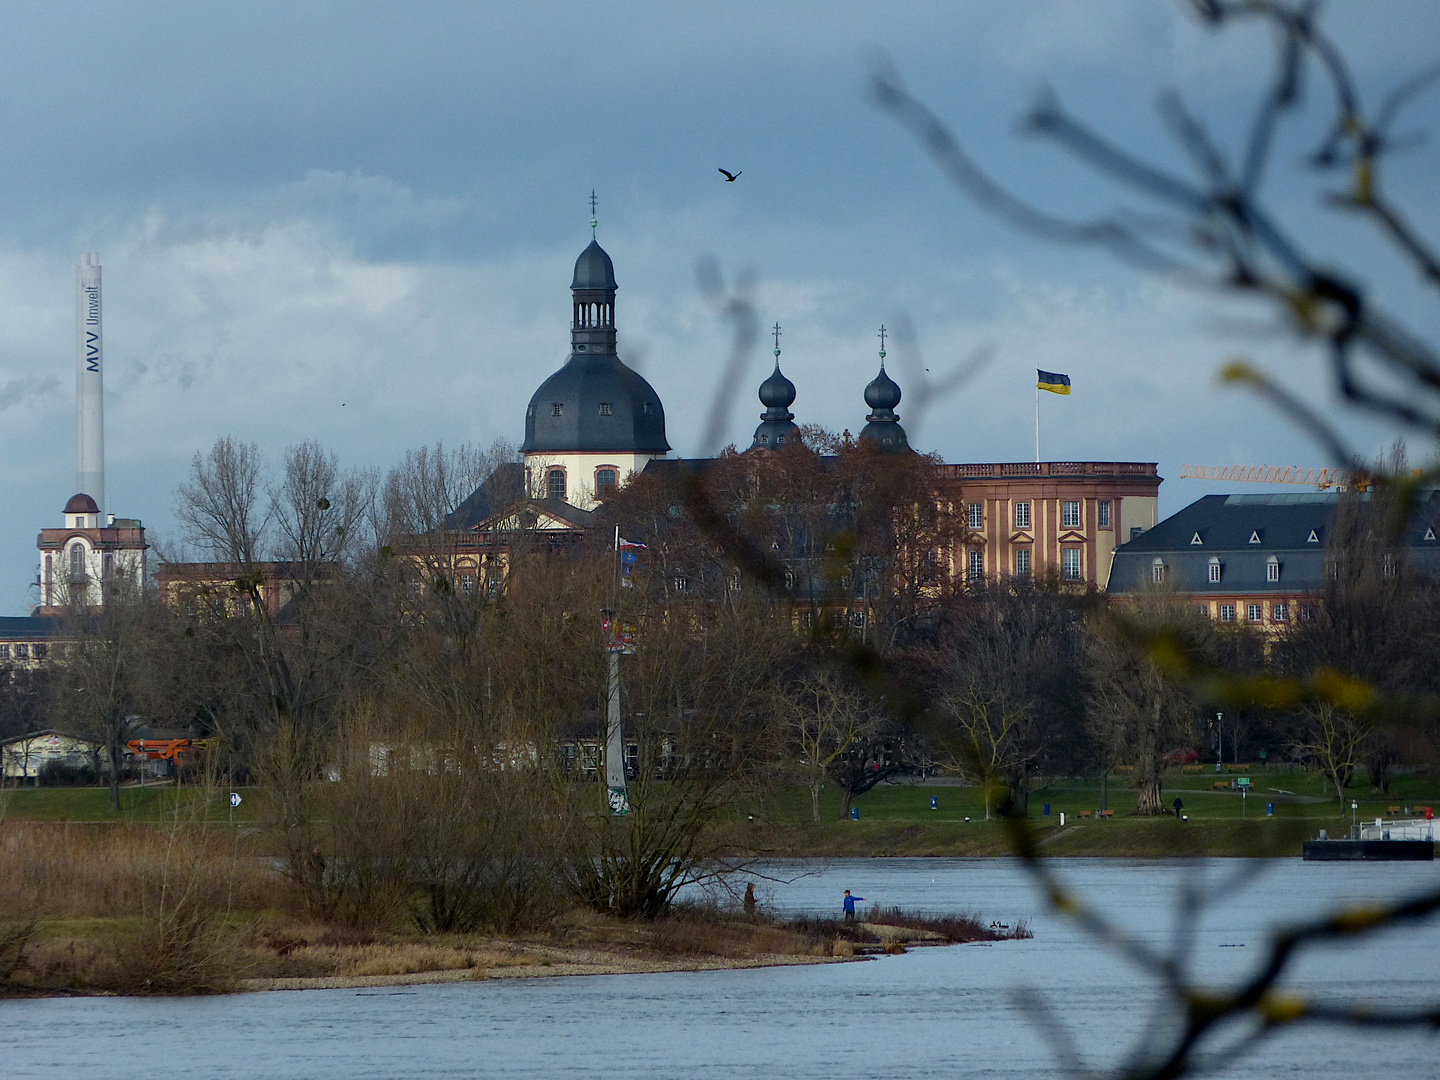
x: 574, y: 963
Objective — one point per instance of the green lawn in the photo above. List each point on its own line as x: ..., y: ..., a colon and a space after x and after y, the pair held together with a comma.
x: 156, y: 803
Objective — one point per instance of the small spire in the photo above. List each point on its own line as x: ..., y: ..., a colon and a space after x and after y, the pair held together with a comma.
x: 593, y: 220
x: 777, y: 346
x: 882, y: 346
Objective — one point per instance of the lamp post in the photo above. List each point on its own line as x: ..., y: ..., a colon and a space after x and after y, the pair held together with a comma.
x: 1219, y: 741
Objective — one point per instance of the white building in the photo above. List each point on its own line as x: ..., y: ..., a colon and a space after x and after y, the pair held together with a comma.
x: 77, y: 561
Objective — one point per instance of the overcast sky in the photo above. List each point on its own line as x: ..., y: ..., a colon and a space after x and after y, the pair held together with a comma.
x: 356, y: 222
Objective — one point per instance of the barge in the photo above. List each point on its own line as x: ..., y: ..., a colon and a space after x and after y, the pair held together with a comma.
x: 1380, y: 841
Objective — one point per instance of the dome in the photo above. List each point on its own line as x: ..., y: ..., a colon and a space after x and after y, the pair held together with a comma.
x: 593, y: 269
x: 882, y: 393
x: 777, y: 423
x: 595, y: 403
x: 777, y: 392
x: 81, y: 504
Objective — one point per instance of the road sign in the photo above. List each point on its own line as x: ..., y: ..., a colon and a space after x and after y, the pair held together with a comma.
x: 1243, y: 782
x: 235, y: 799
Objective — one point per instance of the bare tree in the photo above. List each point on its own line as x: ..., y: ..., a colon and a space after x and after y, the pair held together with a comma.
x: 829, y: 718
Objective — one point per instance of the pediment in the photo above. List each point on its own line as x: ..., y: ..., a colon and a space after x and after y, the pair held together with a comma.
x: 1021, y: 537
x: 1072, y: 537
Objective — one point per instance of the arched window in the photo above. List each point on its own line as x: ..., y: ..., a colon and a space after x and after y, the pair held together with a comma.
x: 606, y: 481
x: 77, y: 560
x: 1214, y: 569
x: 555, y: 484
x: 1272, y: 569
x: 1157, y: 571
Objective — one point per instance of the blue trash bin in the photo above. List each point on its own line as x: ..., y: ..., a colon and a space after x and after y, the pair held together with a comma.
x: 1047, y: 809
x: 1269, y: 809
x: 854, y: 813
x: 934, y: 802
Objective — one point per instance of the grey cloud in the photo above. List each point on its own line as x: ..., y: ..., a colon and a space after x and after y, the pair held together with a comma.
x: 18, y: 391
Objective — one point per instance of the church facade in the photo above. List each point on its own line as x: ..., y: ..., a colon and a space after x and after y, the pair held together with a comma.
x: 595, y: 424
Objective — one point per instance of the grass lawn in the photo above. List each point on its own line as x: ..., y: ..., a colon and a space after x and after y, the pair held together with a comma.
x: 153, y: 803
x: 898, y: 820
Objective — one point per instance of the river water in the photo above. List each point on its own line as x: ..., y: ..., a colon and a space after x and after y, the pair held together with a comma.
x: 941, y: 1012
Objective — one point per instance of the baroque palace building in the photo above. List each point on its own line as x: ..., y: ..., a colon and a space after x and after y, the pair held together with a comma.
x: 595, y: 424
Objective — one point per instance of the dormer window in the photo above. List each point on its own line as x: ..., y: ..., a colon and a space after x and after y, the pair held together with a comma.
x: 1195, y: 540
x: 1157, y: 572
x: 556, y: 408
x: 1254, y: 536
x: 605, y: 409
x: 645, y: 408
x: 1313, y: 538
x: 1272, y: 569
x: 1214, y: 570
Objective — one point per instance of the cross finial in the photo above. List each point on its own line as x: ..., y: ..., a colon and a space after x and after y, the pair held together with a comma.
x: 593, y: 221
x: 883, y: 332
x: 777, y: 344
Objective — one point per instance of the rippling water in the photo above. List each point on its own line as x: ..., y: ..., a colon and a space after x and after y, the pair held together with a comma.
x: 946, y: 1012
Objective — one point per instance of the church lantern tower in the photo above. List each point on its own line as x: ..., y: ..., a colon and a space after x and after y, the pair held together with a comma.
x: 595, y: 422
x: 882, y: 395
x: 777, y: 423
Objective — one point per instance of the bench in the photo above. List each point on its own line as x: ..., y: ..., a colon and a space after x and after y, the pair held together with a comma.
x: 1223, y: 785
x: 1393, y: 810
x: 1105, y: 813
x: 1086, y: 813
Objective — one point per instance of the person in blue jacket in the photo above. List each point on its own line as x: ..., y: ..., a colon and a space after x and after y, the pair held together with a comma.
x: 849, y: 905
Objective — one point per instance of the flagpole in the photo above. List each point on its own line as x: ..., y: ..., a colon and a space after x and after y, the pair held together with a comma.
x: 1037, y: 421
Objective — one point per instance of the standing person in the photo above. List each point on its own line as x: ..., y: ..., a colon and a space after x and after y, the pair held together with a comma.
x: 750, y: 900
x: 849, y: 905
x: 1178, y: 806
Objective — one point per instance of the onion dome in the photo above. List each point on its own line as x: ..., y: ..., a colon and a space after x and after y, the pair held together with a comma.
x: 594, y: 402
x: 81, y: 504
x: 777, y: 423
x: 882, y: 395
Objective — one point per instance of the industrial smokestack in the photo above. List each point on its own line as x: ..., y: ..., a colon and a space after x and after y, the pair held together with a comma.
x: 89, y: 382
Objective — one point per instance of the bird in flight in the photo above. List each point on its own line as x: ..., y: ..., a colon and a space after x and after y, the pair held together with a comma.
x: 730, y: 177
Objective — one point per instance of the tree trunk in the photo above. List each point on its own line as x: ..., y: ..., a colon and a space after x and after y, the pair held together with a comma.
x: 1147, y: 767
x: 114, y: 769
x: 815, y: 786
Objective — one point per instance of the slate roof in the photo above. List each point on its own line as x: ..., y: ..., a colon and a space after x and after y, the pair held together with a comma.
x: 1244, y: 532
x: 27, y: 627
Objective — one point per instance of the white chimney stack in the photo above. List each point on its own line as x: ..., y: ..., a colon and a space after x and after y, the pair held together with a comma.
x: 89, y: 382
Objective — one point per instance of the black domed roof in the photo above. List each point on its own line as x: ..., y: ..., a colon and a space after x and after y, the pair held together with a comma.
x: 777, y: 423
x: 81, y: 504
x: 882, y: 393
x: 595, y: 403
x: 593, y: 269
x: 777, y: 392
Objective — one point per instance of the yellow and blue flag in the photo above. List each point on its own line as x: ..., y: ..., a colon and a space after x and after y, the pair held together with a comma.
x: 1052, y: 381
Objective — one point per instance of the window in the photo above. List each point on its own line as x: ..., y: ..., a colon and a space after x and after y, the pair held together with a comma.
x: 1227, y: 612
x: 1070, y: 564
x: 467, y: 583
x: 555, y: 483
x: 556, y: 408
x: 1272, y: 569
x: 1281, y: 612
x: 1102, y: 513
x: 645, y: 408
x: 1022, y: 515
x: 977, y: 516
x: 108, y: 566
x: 605, y: 408
x: 1203, y: 612
x: 977, y: 565
x: 1214, y: 570
x: 606, y: 481
x: 1253, y: 612
x: 4, y: 652
x: 493, y: 587
x: 1157, y: 571
x: 1306, y: 613
x: 1070, y: 515
x: 22, y: 652
x: 857, y: 619
x: 1135, y: 530
x: 682, y: 583
x: 1387, y: 565
x: 40, y: 651
x: 1022, y: 562
x: 77, y: 560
